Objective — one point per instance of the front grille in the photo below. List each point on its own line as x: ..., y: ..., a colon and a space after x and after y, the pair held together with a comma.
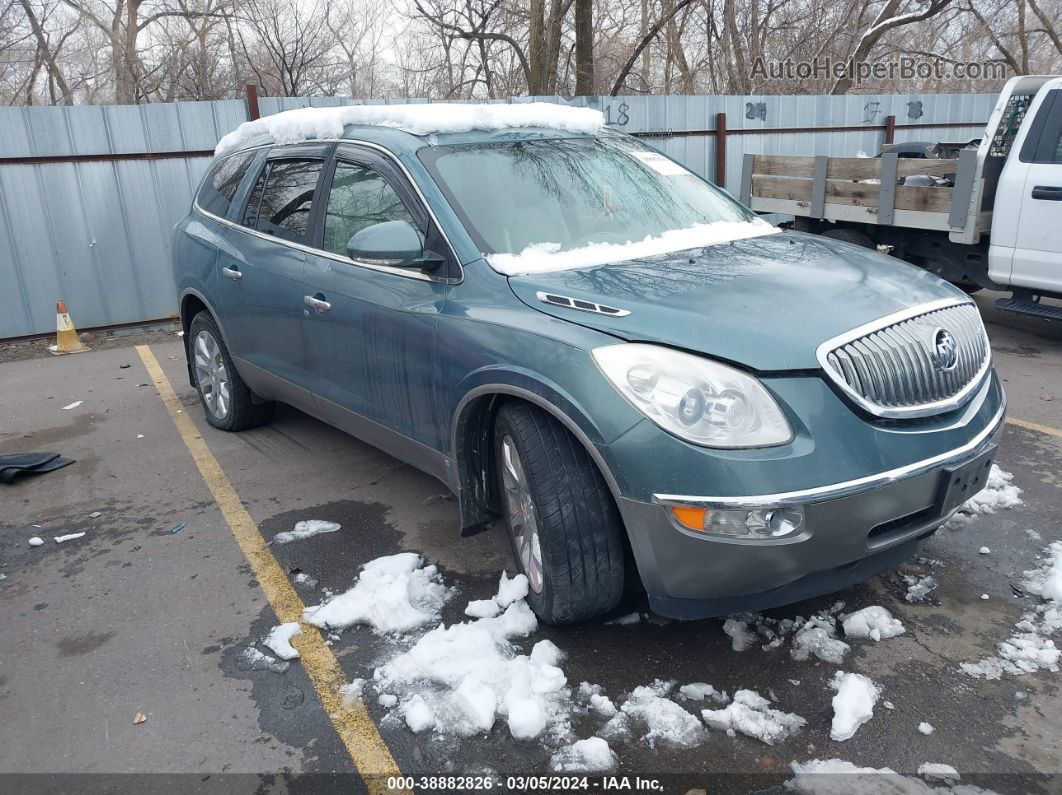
x: 902, y: 365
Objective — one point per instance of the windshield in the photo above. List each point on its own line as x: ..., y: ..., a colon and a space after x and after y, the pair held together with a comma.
x: 572, y: 193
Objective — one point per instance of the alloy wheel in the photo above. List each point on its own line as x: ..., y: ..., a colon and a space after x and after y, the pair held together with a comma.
x: 212, y: 375
x: 523, y: 521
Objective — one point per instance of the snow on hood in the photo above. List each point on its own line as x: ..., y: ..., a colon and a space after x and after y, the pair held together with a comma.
x: 293, y: 126
x: 547, y: 257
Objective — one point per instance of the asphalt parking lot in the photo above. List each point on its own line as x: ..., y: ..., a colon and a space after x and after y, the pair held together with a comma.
x: 138, y: 616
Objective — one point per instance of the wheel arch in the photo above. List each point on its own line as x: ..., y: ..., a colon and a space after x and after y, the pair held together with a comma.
x: 191, y: 304
x: 475, y: 481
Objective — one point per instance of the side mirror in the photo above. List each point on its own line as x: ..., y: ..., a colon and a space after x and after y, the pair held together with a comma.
x: 393, y: 243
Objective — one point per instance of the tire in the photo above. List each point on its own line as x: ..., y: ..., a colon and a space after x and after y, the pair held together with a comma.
x: 967, y: 287
x: 580, y: 533
x: 853, y: 236
x: 212, y: 370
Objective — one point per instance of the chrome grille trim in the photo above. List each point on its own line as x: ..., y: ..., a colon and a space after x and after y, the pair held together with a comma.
x: 887, y: 367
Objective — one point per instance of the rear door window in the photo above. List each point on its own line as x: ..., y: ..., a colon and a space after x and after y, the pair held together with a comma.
x: 222, y: 183
x: 281, y: 201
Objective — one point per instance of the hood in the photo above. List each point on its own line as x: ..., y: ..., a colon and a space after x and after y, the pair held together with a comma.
x: 766, y: 302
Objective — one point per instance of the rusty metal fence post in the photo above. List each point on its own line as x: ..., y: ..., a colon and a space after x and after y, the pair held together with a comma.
x: 252, y: 102
x: 720, y: 150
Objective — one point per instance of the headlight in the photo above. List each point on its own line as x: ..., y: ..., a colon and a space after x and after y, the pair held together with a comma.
x: 696, y: 399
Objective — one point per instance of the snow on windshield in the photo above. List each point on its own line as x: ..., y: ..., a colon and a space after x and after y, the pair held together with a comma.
x: 293, y: 126
x: 546, y: 257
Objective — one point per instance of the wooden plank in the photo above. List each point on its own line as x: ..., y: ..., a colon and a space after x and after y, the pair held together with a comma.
x: 870, y: 167
x: 844, y: 212
x: 925, y: 200
x: 851, y: 168
x: 783, y: 165
x: 865, y: 194
x: 909, y: 166
x: 781, y: 188
x: 848, y: 168
x: 861, y: 194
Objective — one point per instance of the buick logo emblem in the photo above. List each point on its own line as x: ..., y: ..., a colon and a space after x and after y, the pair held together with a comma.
x: 945, y: 352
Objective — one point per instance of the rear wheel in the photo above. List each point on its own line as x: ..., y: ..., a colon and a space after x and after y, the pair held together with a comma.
x: 564, y: 528
x: 228, y: 403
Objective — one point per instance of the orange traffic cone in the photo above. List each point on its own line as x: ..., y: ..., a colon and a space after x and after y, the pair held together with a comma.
x: 66, y: 339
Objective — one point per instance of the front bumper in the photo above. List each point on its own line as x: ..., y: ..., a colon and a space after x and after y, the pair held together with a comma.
x: 852, y: 530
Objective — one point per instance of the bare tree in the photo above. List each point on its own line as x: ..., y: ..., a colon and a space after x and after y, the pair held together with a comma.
x: 888, y: 18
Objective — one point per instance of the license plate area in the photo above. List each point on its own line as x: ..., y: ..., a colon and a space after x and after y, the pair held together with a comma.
x: 958, y: 484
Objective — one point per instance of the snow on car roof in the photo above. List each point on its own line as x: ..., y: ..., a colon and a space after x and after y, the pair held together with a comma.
x: 293, y: 126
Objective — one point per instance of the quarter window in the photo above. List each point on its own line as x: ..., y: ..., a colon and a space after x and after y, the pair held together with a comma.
x: 221, y: 184
x: 282, y: 199
x: 360, y: 197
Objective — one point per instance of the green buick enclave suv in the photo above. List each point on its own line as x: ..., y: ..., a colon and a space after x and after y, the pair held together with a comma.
x: 648, y: 384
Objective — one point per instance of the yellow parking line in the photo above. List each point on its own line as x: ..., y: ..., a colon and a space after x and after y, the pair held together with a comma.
x: 1035, y: 426
x: 350, y: 717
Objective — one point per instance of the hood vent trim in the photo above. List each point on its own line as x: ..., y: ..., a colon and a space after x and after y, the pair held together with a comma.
x: 566, y: 302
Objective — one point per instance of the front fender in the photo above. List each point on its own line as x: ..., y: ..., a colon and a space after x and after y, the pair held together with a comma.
x: 472, y: 434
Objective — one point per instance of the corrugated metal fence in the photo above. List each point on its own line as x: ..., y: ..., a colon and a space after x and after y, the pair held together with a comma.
x: 88, y: 194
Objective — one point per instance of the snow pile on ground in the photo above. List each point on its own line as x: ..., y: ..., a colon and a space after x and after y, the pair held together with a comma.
x: 740, y: 635
x: 750, y: 714
x: 816, y: 636
x: 304, y: 580
x: 938, y: 771
x: 396, y: 593
x: 584, y: 756
x: 699, y: 691
x: 853, y: 705
x: 302, y: 124
x: 306, y: 529
x: 874, y: 622
x: 278, y: 640
x: 1046, y: 581
x: 594, y: 700
x: 459, y: 679
x: 665, y: 723
x: 919, y: 587
x: 746, y: 629
x: 998, y: 494
x: 926, y: 728
x: 819, y: 637
x: 509, y: 590
x: 838, y: 777
x: 1031, y: 649
x: 547, y: 257
x: 250, y: 659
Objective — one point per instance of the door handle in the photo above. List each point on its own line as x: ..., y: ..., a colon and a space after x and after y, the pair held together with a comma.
x: 318, y: 304
x: 1051, y: 193
x: 232, y: 273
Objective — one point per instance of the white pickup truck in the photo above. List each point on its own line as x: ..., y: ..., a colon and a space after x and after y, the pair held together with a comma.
x: 991, y: 217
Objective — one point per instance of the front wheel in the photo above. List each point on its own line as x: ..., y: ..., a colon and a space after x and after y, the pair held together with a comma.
x: 228, y: 403
x: 564, y: 528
